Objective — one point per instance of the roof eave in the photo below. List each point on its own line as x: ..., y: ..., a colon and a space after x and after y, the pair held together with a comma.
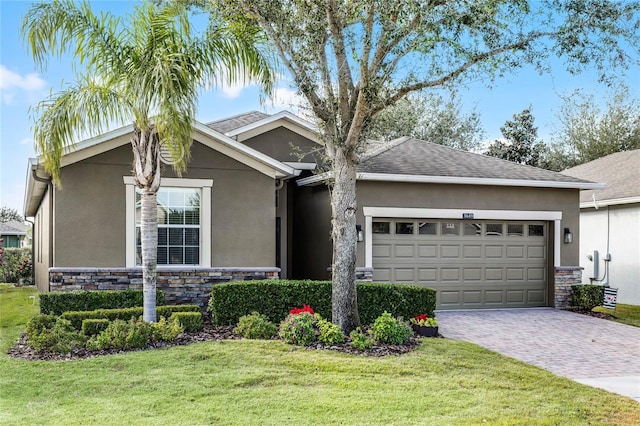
x: 595, y: 204
x: 455, y: 180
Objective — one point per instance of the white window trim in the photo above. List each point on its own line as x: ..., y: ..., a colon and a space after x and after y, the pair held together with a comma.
x: 417, y: 213
x: 204, y: 185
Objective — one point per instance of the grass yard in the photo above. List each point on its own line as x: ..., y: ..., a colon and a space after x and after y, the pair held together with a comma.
x: 267, y: 382
x: 625, y: 314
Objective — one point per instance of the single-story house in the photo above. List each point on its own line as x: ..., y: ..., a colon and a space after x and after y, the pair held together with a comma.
x: 13, y: 234
x: 610, y: 223
x: 484, y: 232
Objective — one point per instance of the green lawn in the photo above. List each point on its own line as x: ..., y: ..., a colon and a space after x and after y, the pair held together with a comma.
x: 267, y: 382
x: 625, y: 314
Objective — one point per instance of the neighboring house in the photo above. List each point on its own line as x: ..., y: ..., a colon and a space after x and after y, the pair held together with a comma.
x: 482, y: 231
x: 13, y: 234
x: 610, y: 223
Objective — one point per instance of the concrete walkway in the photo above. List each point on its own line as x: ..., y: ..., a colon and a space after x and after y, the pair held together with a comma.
x: 589, y: 350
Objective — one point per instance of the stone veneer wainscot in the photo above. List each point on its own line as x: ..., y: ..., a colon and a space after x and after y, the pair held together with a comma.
x: 565, y: 277
x: 180, y: 285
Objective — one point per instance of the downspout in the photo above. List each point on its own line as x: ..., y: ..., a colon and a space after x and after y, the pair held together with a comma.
x: 33, y: 257
x: 50, y: 190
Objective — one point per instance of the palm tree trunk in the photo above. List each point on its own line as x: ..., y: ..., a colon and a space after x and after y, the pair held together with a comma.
x: 344, y: 302
x: 146, y: 148
x: 149, y: 235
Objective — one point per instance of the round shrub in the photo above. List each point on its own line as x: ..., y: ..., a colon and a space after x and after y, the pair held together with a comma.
x: 48, y: 333
x: 360, y: 340
x: 122, y: 334
x: 297, y: 329
x: 167, y: 330
x: 330, y: 333
x: 387, y: 329
x: 256, y: 326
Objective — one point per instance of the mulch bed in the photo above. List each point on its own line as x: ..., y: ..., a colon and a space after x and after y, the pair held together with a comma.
x: 21, y: 350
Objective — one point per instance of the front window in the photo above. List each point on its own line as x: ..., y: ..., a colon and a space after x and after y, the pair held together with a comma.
x: 179, y: 219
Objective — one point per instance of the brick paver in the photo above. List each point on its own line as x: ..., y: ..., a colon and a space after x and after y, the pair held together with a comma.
x: 565, y: 343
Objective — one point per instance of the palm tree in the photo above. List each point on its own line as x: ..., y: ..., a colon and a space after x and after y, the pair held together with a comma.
x: 149, y: 69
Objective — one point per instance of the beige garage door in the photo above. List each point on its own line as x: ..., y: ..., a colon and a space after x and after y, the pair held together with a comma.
x: 471, y: 264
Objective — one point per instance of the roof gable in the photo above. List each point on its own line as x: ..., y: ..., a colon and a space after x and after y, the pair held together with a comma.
x: 237, y: 121
x: 621, y: 173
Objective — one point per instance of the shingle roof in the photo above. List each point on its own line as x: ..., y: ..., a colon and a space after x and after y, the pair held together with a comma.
x: 13, y: 227
x: 231, y: 123
x: 409, y: 156
x: 620, y: 171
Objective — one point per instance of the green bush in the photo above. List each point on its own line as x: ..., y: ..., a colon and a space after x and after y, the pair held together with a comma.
x: 167, y: 330
x: 121, y: 334
x: 90, y: 300
x: 387, y: 329
x: 298, y: 329
x: 361, y: 340
x: 587, y: 296
x: 48, y: 333
x: 190, y: 321
x: 274, y: 298
x: 13, y: 265
x: 330, y: 333
x: 256, y: 326
x: 76, y: 317
x: 91, y: 327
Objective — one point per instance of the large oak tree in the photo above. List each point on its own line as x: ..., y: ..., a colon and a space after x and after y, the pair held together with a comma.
x: 352, y: 59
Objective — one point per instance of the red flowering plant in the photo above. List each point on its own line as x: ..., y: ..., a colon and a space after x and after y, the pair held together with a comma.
x: 424, y: 320
x: 305, y: 308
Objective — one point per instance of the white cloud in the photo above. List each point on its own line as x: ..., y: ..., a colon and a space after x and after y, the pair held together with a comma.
x: 11, y: 83
x: 233, y: 91
x: 26, y: 141
x: 285, y: 98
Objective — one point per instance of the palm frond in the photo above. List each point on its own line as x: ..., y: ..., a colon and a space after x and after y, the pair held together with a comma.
x: 83, y: 110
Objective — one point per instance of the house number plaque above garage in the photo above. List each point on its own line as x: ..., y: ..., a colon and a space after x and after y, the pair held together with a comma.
x: 467, y: 215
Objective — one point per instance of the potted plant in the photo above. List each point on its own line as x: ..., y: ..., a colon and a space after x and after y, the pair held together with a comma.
x: 424, y: 326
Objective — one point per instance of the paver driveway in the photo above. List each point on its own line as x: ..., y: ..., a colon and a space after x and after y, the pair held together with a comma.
x: 586, y: 349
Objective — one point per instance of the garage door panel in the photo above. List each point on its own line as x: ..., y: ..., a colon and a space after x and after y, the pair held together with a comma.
x: 449, y: 298
x: 472, y: 274
x: 468, y: 270
x: 535, y: 252
x: 382, y: 251
x: 472, y: 252
x: 515, y: 252
x: 428, y: 251
x: 428, y: 274
x: 494, y: 297
x: 450, y: 251
x: 493, y: 252
x: 515, y: 296
x: 449, y: 274
x: 515, y: 274
x: 404, y: 251
x: 472, y: 297
x: 404, y: 275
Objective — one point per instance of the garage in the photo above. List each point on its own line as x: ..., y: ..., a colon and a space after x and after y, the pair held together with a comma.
x: 471, y: 263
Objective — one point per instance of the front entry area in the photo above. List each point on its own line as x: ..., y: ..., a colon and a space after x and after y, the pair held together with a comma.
x: 471, y: 263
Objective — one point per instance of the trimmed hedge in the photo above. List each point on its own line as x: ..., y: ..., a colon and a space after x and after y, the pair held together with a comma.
x: 190, y: 321
x: 587, y: 296
x: 274, y: 298
x: 90, y: 300
x: 91, y: 327
x: 77, y: 317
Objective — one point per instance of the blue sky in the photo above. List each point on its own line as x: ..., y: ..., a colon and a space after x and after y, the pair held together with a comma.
x: 21, y: 86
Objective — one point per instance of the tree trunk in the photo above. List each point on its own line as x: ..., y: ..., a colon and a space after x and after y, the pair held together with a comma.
x: 344, y: 302
x: 149, y: 235
x: 146, y: 149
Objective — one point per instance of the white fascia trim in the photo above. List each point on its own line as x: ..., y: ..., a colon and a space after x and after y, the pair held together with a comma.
x: 419, y: 213
x: 97, y: 145
x: 389, y: 177
x: 272, y: 118
x: 227, y: 146
x: 610, y: 202
x: 204, y: 185
x: 301, y: 166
